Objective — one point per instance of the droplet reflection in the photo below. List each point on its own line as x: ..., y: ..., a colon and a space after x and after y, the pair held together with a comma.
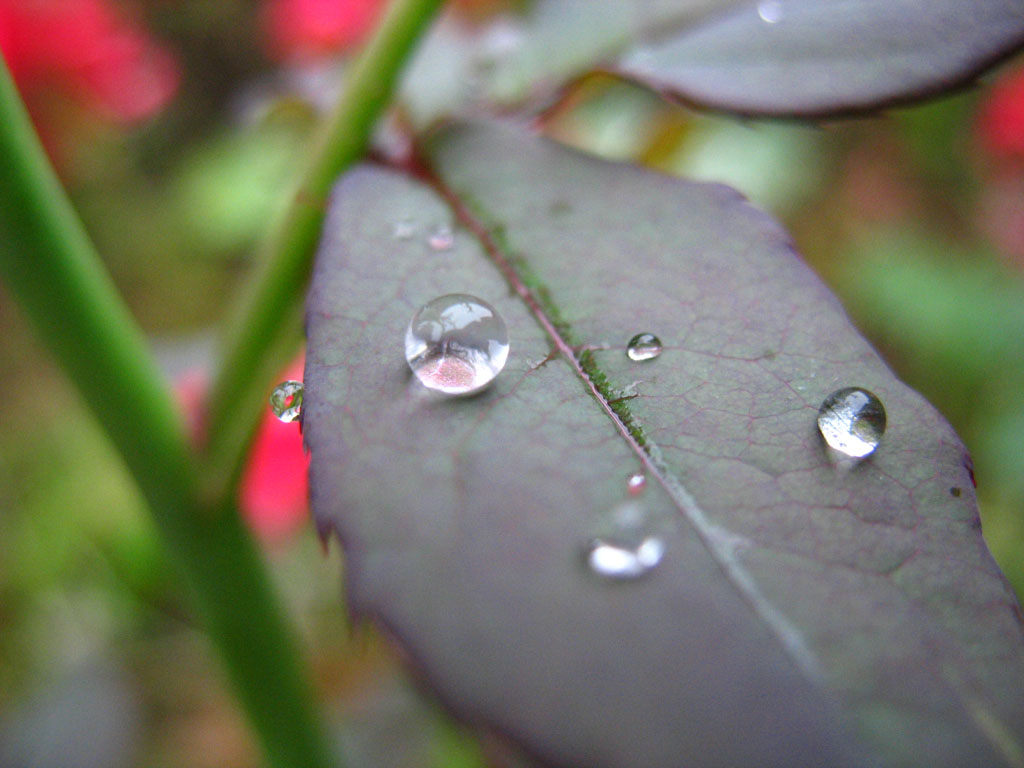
x: 286, y: 400
x: 456, y: 344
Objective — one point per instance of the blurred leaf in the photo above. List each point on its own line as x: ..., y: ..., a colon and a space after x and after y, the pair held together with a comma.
x: 819, y: 57
x: 938, y: 135
x: 804, y: 613
x: 767, y: 57
x: 562, y: 38
x: 231, y: 188
x: 778, y: 166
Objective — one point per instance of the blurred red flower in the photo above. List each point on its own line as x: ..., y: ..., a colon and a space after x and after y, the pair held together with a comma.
x: 304, y: 29
x: 1000, y: 125
x: 86, y: 49
x: 999, y: 131
x: 273, y: 493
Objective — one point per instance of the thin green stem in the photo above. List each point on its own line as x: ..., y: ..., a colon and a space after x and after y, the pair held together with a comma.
x: 50, y: 266
x: 265, y: 327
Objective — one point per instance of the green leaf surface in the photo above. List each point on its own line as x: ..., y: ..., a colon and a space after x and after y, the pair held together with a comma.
x: 806, y: 612
x: 763, y: 57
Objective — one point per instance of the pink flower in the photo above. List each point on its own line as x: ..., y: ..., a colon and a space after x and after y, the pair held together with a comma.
x: 303, y: 29
x: 85, y: 49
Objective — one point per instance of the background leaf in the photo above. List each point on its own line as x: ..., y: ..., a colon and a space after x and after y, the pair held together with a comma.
x: 765, y: 57
x: 786, y: 57
x: 803, y: 615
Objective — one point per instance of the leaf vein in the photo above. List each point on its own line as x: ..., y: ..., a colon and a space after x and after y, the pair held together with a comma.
x: 721, y: 543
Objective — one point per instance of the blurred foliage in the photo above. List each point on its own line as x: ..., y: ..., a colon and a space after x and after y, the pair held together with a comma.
x: 896, y: 214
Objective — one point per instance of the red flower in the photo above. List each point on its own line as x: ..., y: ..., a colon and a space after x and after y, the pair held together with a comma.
x: 1000, y: 125
x: 316, y: 28
x: 85, y: 49
x: 273, y: 494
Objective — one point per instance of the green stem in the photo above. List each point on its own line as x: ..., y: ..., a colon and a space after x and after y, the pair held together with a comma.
x: 265, y: 327
x: 50, y: 266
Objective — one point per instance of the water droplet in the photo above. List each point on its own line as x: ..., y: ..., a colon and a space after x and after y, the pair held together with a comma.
x: 636, y: 483
x: 404, y: 229
x: 770, y: 11
x: 441, y: 239
x: 852, y: 421
x: 286, y: 400
x: 456, y: 344
x: 643, y: 346
x: 629, y: 550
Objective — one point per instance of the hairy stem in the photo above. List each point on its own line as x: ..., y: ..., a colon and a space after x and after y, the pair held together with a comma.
x: 265, y: 328
x: 51, y: 267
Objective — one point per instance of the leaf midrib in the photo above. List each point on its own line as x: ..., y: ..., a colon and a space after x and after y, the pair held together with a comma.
x: 720, y: 543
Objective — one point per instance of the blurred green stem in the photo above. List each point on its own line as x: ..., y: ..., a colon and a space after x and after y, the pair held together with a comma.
x: 51, y: 267
x: 266, y: 326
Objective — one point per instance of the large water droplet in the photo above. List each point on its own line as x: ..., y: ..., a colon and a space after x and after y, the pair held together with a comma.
x: 286, y: 400
x: 456, y: 344
x: 852, y: 421
x: 441, y: 239
x: 643, y: 346
x: 629, y: 550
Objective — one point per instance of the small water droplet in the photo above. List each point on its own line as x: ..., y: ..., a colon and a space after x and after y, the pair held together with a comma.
x: 852, y: 421
x: 456, y: 344
x: 770, y: 11
x: 629, y: 550
x: 441, y: 239
x: 643, y: 346
x: 286, y: 400
x: 404, y: 229
x: 617, y: 560
x: 636, y: 483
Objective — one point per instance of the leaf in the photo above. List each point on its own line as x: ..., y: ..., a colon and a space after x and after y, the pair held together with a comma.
x: 801, y: 57
x: 804, y: 613
x: 764, y: 57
